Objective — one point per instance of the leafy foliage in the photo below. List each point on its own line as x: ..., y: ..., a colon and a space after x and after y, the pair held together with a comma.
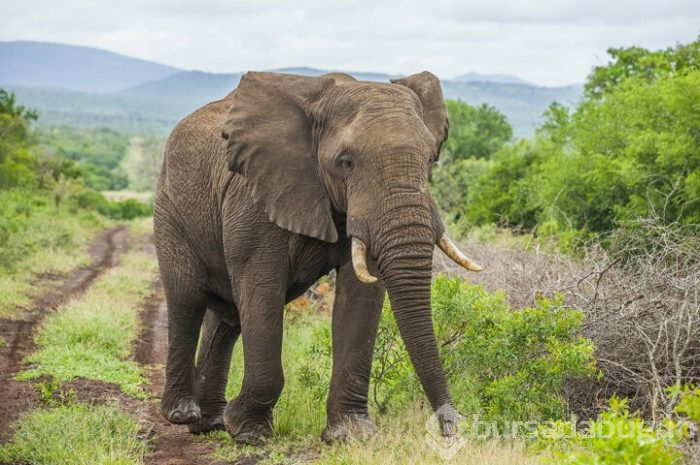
x: 475, y: 131
x: 98, y: 153
x: 631, y: 149
x: 502, y: 363
x: 637, y: 62
x: 476, y: 134
x: 16, y: 162
x: 689, y: 403
x: 616, y: 437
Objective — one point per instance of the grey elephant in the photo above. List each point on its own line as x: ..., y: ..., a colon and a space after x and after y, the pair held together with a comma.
x: 269, y: 189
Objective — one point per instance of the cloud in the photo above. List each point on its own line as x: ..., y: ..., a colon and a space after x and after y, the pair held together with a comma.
x: 545, y: 41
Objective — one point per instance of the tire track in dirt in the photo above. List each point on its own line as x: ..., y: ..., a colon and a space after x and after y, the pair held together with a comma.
x: 170, y: 444
x: 17, y: 397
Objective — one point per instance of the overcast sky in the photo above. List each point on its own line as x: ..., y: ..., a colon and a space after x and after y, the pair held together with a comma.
x: 548, y: 42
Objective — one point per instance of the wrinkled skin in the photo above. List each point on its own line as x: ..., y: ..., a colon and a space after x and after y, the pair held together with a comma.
x: 258, y: 198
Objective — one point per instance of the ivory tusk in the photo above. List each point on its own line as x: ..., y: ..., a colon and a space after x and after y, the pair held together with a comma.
x: 359, y: 261
x: 451, y: 250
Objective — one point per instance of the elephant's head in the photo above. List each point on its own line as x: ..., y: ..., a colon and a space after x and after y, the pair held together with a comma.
x: 310, y: 145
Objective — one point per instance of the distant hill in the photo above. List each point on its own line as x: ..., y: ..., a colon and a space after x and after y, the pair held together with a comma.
x: 84, y: 86
x: 194, y: 86
x: 87, y: 69
x: 497, y: 78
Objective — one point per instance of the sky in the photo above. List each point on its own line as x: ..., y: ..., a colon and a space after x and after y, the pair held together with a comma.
x: 547, y: 42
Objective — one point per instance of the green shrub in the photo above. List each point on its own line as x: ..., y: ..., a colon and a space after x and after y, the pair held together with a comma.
x: 502, y: 363
x: 30, y: 223
x: 689, y: 403
x: 616, y: 437
x: 126, y: 209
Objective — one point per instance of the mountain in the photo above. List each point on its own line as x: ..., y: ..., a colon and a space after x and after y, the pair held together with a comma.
x: 138, y: 96
x: 522, y: 104
x: 87, y: 69
x: 191, y: 85
x: 496, y: 78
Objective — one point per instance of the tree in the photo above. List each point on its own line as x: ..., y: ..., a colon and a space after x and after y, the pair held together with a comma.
x: 16, y: 161
x: 475, y: 135
x: 475, y: 131
x: 642, y: 64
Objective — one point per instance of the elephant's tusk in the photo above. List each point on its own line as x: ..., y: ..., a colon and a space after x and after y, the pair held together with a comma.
x: 359, y: 261
x: 451, y: 250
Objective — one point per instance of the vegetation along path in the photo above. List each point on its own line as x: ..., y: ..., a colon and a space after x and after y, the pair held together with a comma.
x: 18, y: 333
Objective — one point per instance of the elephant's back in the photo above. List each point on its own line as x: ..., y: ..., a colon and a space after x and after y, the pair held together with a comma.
x: 193, y: 174
x: 194, y: 158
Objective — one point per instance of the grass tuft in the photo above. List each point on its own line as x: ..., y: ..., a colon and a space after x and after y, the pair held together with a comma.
x: 77, y: 434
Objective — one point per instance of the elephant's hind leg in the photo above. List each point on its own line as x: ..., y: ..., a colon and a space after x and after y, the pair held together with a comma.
x: 185, y: 312
x: 213, y: 364
x: 248, y: 418
x: 184, y: 281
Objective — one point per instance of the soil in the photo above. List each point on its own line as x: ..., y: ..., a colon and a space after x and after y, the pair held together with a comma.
x: 17, y: 397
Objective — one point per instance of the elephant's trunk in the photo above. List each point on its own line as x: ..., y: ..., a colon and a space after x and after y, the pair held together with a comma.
x: 404, y: 255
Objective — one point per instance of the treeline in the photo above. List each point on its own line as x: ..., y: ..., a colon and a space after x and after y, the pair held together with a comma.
x: 50, y: 185
x: 629, y: 150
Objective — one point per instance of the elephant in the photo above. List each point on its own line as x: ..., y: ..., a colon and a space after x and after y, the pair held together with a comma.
x: 267, y: 190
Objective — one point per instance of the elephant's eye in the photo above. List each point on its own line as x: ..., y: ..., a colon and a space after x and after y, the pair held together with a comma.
x: 346, y: 163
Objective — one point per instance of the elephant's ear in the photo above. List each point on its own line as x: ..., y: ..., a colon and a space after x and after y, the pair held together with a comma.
x: 269, y: 133
x: 427, y: 87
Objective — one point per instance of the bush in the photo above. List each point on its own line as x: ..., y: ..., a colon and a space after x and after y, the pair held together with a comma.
x: 502, y: 363
x: 689, y: 402
x: 30, y: 223
x: 126, y: 209
x: 643, y: 313
x: 617, y: 437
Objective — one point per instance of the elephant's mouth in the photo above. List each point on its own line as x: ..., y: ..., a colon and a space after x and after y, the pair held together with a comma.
x: 359, y: 258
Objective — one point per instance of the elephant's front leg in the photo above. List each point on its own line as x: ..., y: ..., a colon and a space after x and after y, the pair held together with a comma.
x: 248, y: 418
x: 356, y: 314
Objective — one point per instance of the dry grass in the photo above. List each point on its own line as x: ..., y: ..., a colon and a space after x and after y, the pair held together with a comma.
x: 641, y: 297
x: 401, y: 440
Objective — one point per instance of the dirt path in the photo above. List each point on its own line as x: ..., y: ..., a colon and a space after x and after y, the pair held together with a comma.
x: 171, y: 444
x: 16, y: 396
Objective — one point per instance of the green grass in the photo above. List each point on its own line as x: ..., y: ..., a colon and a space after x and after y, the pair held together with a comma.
x: 76, y: 434
x: 300, y: 417
x: 3, y: 342
x: 36, y: 239
x: 91, y: 336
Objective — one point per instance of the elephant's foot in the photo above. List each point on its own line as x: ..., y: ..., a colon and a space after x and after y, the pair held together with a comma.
x: 212, y: 420
x: 247, y: 429
x: 359, y: 426
x: 182, y: 411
